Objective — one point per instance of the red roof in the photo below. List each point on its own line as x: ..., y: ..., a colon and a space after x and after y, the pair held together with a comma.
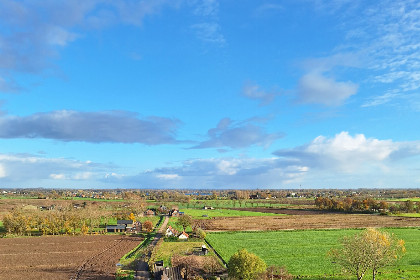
x: 184, y: 233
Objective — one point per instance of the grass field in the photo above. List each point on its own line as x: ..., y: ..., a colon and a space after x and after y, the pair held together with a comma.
x: 198, y: 213
x: 404, y: 199
x: 91, y: 199
x: 18, y: 197
x: 415, y: 215
x: 304, y: 253
x: 2, y: 229
x: 220, y: 203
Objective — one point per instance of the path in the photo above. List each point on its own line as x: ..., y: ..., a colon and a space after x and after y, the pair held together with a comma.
x: 142, y: 272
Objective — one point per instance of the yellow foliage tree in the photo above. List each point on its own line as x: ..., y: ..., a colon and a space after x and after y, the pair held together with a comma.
x: 369, y: 250
x: 84, y: 229
x: 132, y: 217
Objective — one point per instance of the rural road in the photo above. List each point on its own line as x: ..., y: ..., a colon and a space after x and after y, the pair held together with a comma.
x: 142, y: 272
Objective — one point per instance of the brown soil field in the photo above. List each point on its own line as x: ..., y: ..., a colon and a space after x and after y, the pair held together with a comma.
x: 284, y: 211
x: 318, y: 221
x: 91, y: 257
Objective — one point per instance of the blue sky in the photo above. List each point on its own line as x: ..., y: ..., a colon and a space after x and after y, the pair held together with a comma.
x: 209, y: 94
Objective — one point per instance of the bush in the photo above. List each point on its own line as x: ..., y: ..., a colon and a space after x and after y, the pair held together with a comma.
x: 245, y: 265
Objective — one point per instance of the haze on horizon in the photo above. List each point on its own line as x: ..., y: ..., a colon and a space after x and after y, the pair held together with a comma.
x: 209, y: 94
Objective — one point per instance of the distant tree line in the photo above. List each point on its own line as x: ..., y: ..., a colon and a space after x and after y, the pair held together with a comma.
x: 367, y: 205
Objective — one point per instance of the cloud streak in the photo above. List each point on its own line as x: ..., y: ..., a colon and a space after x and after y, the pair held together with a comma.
x: 386, y: 35
x: 94, y: 127
x: 237, y: 135
x: 208, y: 28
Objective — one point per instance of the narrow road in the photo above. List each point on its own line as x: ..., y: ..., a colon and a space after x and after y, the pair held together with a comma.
x: 142, y: 272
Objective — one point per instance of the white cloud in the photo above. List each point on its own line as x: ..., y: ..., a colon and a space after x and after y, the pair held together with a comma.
x: 23, y: 169
x: 58, y: 176
x: 350, y: 154
x: 83, y: 175
x: 2, y: 171
x: 314, y: 88
x: 219, y: 173
x: 168, y: 176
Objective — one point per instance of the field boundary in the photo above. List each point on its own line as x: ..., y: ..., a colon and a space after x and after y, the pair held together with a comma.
x: 216, y: 253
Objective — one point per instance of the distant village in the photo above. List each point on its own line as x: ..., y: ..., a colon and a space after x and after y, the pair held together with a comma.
x: 187, y: 195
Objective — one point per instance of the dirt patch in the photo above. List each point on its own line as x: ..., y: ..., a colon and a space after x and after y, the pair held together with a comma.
x: 319, y: 221
x: 63, y: 257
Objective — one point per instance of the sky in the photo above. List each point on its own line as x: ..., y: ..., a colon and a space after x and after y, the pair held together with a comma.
x: 210, y: 94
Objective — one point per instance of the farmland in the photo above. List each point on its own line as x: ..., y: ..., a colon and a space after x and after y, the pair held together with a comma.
x: 61, y: 257
x: 247, y: 203
x: 317, y: 221
x: 304, y: 252
x: 286, y: 231
x: 199, y: 213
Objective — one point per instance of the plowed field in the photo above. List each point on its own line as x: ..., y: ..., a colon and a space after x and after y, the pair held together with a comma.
x: 318, y: 221
x: 63, y: 257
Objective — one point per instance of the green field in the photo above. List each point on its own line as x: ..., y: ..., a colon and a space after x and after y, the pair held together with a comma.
x: 228, y: 203
x: 2, y: 229
x: 198, y: 213
x: 404, y: 199
x: 90, y: 199
x: 415, y: 215
x: 18, y: 197
x: 304, y: 253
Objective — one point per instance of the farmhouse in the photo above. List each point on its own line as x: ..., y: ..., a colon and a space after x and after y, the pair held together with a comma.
x: 149, y: 212
x: 170, y: 231
x: 115, y: 228
x: 128, y: 223
x: 174, y: 213
x: 122, y: 225
x: 183, y: 236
